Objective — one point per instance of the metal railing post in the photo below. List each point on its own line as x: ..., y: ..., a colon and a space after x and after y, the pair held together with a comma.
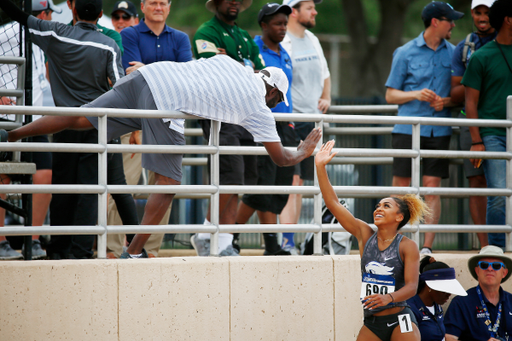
x: 102, y: 181
x: 508, y: 207
x: 317, y: 205
x: 214, y: 199
x: 415, y: 171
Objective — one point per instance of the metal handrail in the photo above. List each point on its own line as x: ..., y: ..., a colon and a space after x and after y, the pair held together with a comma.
x: 213, y: 190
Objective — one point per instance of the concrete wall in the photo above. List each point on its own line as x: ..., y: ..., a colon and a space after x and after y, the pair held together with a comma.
x: 190, y: 298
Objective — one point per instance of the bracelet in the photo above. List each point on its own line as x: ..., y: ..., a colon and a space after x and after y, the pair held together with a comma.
x: 475, y: 143
x: 392, y: 298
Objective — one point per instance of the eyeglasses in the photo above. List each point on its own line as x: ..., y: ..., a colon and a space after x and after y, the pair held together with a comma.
x: 125, y: 16
x: 447, y: 20
x: 495, y: 265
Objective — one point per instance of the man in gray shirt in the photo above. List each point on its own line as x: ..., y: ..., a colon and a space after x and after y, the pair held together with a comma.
x: 81, y: 62
x: 311, y: 93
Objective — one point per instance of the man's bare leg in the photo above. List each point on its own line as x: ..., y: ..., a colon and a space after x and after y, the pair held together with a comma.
x: 156, y: 207
x: 434, y: 203
x: 50, y: 125
x: 478, y: 207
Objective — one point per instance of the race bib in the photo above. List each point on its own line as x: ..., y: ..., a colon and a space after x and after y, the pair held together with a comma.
x: 377, y: 284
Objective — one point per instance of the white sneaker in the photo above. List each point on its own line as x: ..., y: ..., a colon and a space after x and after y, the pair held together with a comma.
x: 229, y: 251
x: 202, y: 246
x: 425, y: 251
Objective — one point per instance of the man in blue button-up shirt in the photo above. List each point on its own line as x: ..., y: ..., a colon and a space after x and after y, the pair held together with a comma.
x: 152, y: 40
x: 419, y: 82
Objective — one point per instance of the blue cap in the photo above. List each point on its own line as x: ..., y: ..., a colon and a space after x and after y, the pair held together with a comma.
x: 438, y: 9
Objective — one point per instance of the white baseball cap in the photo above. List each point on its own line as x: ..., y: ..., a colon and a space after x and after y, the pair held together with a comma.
x: 277, y: 79
x: 476, y: 3
x: 292, y: 3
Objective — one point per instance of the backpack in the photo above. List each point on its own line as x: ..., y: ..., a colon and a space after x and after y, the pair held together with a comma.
x: 468, y: 50
x: 333, y: 243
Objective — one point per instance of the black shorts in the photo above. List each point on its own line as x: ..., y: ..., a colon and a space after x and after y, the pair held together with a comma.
x: 306, y: 168
x: 431, y: 167
x: 383, y: 326
x: 272, y: 175
x: 234, y: 169
x: 465, y: 144
x: 43, y: 160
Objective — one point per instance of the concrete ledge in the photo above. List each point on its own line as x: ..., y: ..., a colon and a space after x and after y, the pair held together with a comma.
x: 189, y: 298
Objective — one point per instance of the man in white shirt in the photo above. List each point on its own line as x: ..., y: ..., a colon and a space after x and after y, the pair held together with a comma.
x: 311, y: 93
x: 217, y: 88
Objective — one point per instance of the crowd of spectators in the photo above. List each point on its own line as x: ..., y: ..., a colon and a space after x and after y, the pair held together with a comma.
x: 428, y: 76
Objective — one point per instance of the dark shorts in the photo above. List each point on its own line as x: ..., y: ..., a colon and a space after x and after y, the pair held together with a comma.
x: 135, y: 94
x: 383, y: 326
x: 272, y: 175
x: 431, y: 167
x: 465, y: 144
x: 234, y: 169
x: 43, y: 160
x: 306, y: 168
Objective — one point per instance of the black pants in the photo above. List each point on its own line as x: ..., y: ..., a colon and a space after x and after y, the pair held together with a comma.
x: 74, y: 209
x: 124, y: 201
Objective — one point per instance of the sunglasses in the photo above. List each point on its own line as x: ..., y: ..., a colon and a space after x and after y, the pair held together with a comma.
x: 124, y: 16
x: 495, y: 265
x: 448, y: 20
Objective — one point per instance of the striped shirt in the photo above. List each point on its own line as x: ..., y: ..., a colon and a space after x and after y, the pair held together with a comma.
x: 216, y: 88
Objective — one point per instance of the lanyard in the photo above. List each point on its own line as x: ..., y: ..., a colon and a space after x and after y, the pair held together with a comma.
x: 503, y: 54
x: 494, y: 329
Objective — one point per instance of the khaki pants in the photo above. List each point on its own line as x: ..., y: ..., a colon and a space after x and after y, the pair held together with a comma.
x: 132, y: 171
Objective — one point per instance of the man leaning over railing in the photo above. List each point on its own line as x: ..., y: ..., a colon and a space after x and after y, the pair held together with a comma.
x: 226, y: 92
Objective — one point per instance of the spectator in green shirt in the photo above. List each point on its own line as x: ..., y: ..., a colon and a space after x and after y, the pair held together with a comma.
x: 221, y: 35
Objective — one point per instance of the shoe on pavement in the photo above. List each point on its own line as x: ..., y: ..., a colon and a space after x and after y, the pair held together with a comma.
x: 279, y: 252
x: 4, y: 135
x: 7, y: 252
x: 425, y: 251
x: 37, y: 250
x: 202, y: 246
x: 229, y: 251
x: 126, y: 255
x: 291, y: 249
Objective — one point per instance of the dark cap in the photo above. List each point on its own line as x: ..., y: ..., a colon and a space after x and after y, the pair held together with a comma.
x: 438, y: 9
x: 273, y: 8
x: 88, y: 9
x: 126, y: 6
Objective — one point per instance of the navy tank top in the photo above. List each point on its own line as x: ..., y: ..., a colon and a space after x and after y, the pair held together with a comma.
x: 382, y: 271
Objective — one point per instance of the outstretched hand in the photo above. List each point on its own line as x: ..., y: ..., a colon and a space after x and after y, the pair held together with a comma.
x: 325, y: 155
x: 308, y: 146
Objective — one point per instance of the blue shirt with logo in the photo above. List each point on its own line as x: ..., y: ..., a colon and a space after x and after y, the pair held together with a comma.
x: 465, y: 317
x: 415, y: 67
x: 282, y: 61
x: 431, y: 326
x: 458, y: 67
x: 142, y: 45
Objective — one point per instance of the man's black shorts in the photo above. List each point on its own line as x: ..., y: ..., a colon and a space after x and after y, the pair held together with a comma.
x: 272, y: 175
x: 234, y: 169
x: 431, y: 167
